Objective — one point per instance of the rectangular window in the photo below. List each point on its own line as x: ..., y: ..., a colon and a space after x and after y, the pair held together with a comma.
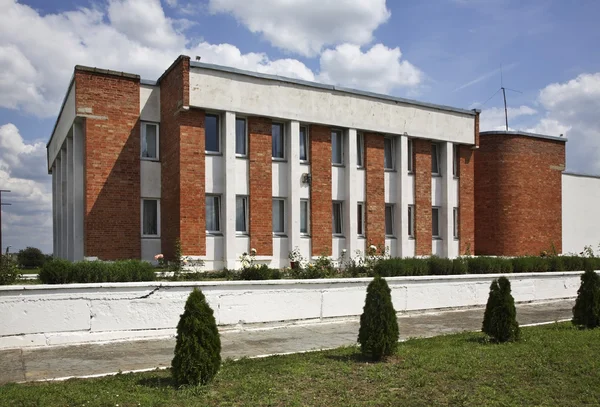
x: 337, y: 148
x: 240, y: 137
x: 411, y: 220
x: 455, y: 222
x: 455, y: 160
x: 241, y: 214
x: 278, y: 216
x: 304, y: 217
x: 150, y: 140
x: 389, y: 220
x: 409, y: 151
x: 213, y: 213
x: 150, y: 224
x: 435, y: 159
x: 360, y: 150
x: 435, y: 222
x: 212, y: 134
x: 360, y: 218
x: 278, y: 142
x: 388, y: 150
x: 337, y: 218
x: 303, y: 144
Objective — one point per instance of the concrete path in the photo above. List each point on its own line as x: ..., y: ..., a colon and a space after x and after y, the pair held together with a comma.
x: 31, y: 364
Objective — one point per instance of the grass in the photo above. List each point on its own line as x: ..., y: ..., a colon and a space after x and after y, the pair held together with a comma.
x: 554, y: 365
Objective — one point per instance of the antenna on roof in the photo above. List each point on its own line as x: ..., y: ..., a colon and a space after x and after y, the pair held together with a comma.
x: 503, y: 89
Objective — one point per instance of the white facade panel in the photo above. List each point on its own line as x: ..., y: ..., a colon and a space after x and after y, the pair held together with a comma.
x: 338, y: 244
x: 280, y: 176
x: 580, y: 215
x: 280, y: 252
x: 150, y: 103
x: 338, y: 184
x: 392, y: 186
x: 437, y: 247
x: 214, y: 174
x: 150, y: 248
x: 437, y: 187
x: 303, y: 188
x: 150, y: 179
x: 242, y: 179
x: 360, y: 185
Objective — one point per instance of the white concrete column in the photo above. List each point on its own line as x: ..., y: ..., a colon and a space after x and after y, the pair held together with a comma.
x: 403, y: 248
x: 350, y: 210
x: 54, y: 211
x: 229, y: 244
x: 447, y: 204
x: 58, y: 203
x: 78, y: 191
x: 398, y: 152
x: 64, y: 190
x: 294, y: 180
x: 70, y: 184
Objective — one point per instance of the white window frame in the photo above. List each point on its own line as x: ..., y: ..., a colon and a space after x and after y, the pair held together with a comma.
x: 245, y: 154
x: 455, y: 223
x: 411, y: 155
x: 282, y: 233
x: 437, y: 159
x: 360, y: 228
x: 392, y: 207
x: 341, y: 144
x: 283, y: 141
x: 144, y: 125
x: 219, y: 231
x: 306, y: 144
x: 219, y: 143
x: 411, y: 221
x: 360, y: 150
x: 455, y: 161
x: 245, y: 199
x: 157, y: 235
x: 393, y: 153
x: 307, y: 232
x: 439, y: 232
x: 341, y: 232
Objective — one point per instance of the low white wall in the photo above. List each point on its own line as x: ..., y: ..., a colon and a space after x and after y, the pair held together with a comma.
x: 42, y: 315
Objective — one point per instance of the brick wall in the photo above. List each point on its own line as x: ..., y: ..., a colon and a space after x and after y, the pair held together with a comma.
x: 375, y: 190
x: 320, y: 190
x: 518, y: 187
x: 261, y: 189
x: 422, y: 171
x: 466, y: 199
x: 111, y: 104
x: 183, y: 212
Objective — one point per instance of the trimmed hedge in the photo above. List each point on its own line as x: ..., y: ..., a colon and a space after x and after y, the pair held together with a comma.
x: 65, y: 272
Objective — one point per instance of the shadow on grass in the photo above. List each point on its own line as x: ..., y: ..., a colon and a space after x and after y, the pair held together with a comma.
x: 158, y: 382
x: 358, y: 357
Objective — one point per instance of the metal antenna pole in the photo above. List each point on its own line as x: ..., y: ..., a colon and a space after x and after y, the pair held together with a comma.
x: 2, y: 204
x: 505, y: 110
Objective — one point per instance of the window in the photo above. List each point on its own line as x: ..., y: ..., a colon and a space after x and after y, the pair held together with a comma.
x: 435, y: 222
x: 278, y: 216
x: 389, y: 220
x: 411, y: 220
x: 150, y: 140
x: 303, y: 144
x: 360, y: 151
x: 360, y: 218
x: 304, y: 217
x: 409, y: 150
x: 213, y: 213
x: 337, y: 218
x: 455, y: 222
x: 337, y: 148
x: 435, y: 159
x: 241, y: 214
x: 455, y: 160
x: 278, y: 141
x: 240, y: 137
x: 150, y: 220
x: 212, y: 133
x: 388, y: 153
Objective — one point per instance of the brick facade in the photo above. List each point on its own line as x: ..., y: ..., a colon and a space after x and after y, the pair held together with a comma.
x: 466, y: 199
x: 422, y: 171
x: 374, y: 190
x: 111, y: 105
x: 260, y: 183
x: 320, y: 190
x: 518, y: 188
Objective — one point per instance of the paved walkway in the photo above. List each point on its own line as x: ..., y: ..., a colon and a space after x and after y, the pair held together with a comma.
x: 97, y: 359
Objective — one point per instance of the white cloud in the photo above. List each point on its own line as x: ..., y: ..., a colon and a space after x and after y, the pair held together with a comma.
x: 493, y: 118
x: 379, y: 69
x: 306, y: 26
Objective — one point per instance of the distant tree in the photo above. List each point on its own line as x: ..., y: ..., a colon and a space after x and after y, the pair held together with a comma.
x: 500, y: 316
x: 586, y: 312
x: 30, y: 258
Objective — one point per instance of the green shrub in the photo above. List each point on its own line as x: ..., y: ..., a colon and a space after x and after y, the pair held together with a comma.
x: 64, y: 272
x: 500, y: 316
x: 460, y: 266
x: 531, y: 264
x: 56, y: 271
x: 259, y: 272
x: 8, y: 270
x: 378, y: 332
x: 390, y: 268
x: 573, y: 263
x: 586, y: 312
x: 439, y: 266
x: 479, y: 265
x: 30, y: 258
x: 198, y: 345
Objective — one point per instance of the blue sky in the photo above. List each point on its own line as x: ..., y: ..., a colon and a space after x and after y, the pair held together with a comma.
x: 440, y: 51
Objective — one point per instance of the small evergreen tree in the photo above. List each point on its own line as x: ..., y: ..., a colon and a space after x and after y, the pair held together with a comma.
x: 586, y: 312
x: 198, y: 346
x: 378, y: 333
x: 500, y: 316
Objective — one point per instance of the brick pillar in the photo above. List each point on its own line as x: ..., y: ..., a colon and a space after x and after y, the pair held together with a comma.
x: 375, y: 190
x: 320, y: 191
x: 422, y: 171
x: 466, y: 199
x: 261, y: 190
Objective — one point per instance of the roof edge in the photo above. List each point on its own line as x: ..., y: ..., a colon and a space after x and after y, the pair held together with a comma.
x: 581, y: 174
x: 170, y: 68
x: 522, y: 133
x: 62, y: 106
x: 83, y: 68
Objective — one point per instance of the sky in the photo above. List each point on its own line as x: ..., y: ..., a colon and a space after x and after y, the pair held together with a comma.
x: 450, y: 52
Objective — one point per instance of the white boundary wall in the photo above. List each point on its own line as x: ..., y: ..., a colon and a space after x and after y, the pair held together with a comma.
x: 45, y: 315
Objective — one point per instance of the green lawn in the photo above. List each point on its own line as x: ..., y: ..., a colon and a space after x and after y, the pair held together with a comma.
x: 554, y: 365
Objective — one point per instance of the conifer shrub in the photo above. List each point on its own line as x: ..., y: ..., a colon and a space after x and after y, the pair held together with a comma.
x: 586, y: 312
x: 500, y: 316
x: 198, y: 345
x: 378, y: 332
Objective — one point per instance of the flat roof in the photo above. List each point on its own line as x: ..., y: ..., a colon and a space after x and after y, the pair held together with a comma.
x: 581, y: 174
x: 522, y: 133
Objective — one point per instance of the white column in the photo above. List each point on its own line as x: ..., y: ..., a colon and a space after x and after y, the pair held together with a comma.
x: 294, y: 180
x: 58, y: 203
x: 70, y: 184
x: 54, y: 211
x: 447, y: 204
x: 398, y: 177
x: 403, y: 249
x: 64, y: 190
x: 350, y: 210
x: 229, y: 242
x: 78, y: 192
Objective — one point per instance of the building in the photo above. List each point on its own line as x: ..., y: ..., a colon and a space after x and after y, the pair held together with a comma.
x: 227, y: 161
